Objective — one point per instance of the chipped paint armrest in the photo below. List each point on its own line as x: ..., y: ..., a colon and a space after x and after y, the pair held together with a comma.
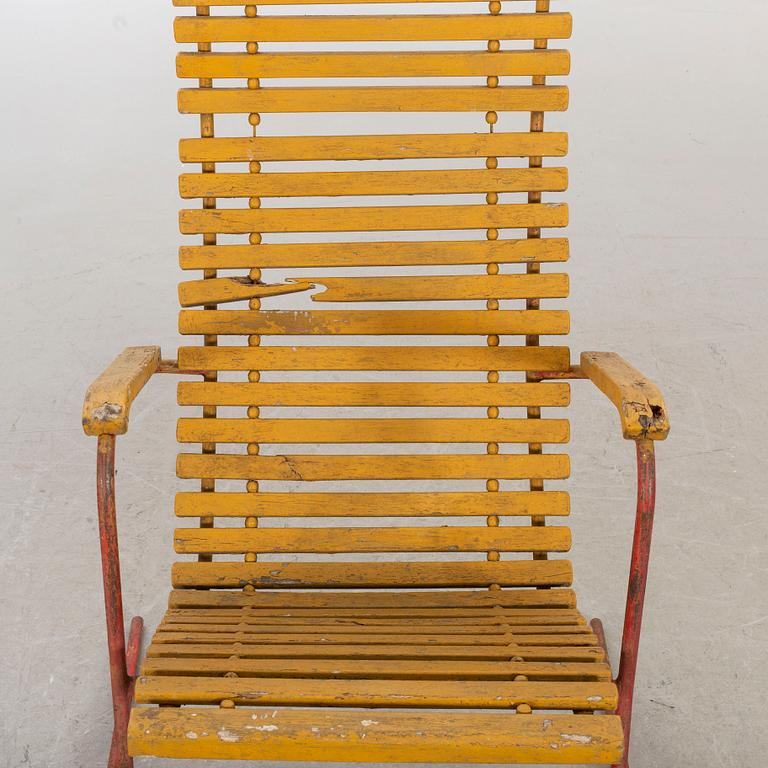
x: 639, y: 402
x: 108, y: 400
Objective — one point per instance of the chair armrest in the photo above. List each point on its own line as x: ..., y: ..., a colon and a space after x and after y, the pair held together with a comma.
x: 638, y: 400
x: 108, y: 400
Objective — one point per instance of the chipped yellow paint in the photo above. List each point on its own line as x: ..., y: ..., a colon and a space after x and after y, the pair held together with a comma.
x: 108, y: 400
x: 197, y: 293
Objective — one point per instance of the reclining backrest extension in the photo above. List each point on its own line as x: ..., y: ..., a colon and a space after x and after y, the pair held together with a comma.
x: 391, y: 403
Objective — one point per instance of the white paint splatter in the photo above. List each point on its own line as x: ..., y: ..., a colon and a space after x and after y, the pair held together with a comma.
x: 264, y: 727
x: 191, y: 735
x: 577, y: 737
x: 228, y: 736
x: 366, y: 723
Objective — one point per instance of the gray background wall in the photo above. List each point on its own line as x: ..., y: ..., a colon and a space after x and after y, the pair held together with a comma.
x: 668, y: 210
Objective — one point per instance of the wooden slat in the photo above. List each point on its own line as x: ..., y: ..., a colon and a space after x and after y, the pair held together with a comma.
x: 401, y: 358
x: 224, y: 3
x: 353, y: 669
x: 440, y: 287
x: 516, y: 503
x: 334, y: 183
x: 399, y: 27
x: 373, y: 64
x: 322, y: 650
x: 338, y: 540
x: 479, y: 598
x: 384, y: 575
x: 373, y: 394
x: 374, y: 147
x: 379, y: 467
x: 353, y: 322
x: 395, y: 98
x: 508, y: 616
x: 385, y: 736
x: 372, y: 218
x: 197, y: 293
x: 314, y: 431
x: 378, y: 693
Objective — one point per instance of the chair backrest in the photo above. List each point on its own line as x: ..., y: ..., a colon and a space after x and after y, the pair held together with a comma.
x: 321, y: 426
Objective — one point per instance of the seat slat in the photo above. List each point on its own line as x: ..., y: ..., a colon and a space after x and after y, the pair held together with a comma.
x: 375, y: 147
x: 353, y: 322
x: 293, y: 29
x: 223, y: 3
x: 373, y: 64
x: 372, y: 218
x: 312, y: 467
x: 374, y: 393
x: 378, y: 693
x: 314, y: 431
x: 404, y: 358
x: 479, y: 598
x: 295, y: 504
x: 377, y: 669
x: 314, y: 184
x: 396, y: 98
x: 506, y: 615
x: 339, y: 540
x: 320, y: 650
x: 384, y: 575
x: 381, y: 736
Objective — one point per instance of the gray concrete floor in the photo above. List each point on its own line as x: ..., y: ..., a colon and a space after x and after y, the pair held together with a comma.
x: 669, y: 244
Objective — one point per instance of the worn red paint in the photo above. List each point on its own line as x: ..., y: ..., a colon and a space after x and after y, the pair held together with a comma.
x: 122, y: 664
x: 638, y: 574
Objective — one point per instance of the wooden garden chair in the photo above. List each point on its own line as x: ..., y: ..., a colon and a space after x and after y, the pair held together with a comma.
x: 409, y: 639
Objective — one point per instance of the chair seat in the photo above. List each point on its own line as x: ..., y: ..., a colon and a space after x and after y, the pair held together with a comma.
x: 290, y: 668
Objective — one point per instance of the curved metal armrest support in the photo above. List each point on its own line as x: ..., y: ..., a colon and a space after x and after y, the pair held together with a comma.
x: 638, y: 400
x: 108, y: 400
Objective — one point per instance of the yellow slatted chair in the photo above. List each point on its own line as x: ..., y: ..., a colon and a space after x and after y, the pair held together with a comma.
x: 419, y: 611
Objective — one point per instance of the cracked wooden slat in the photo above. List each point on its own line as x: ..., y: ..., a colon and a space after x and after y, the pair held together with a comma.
x: 379, y: 575
x: 221, y: 290
x: 361, y: 504
x: 515, y: 26
x: 374, y: 147
x: 373, y: 467
x: 373, y: 64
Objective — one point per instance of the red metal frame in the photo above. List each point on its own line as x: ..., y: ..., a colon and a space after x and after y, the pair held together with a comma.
x: 122, y: 659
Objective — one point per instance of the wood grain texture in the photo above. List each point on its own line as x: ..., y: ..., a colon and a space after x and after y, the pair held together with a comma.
x: 313, y: 467
x: 382, y: 575
x: 513, y: 26
x: 373, y: 254
x: 375, y: 147
x: 295, y: 504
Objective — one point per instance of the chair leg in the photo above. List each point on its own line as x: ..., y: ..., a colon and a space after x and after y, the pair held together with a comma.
x: 597, y: 628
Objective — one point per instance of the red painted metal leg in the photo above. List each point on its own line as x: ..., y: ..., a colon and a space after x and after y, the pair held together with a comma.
x: 638, y: 574
x: 113, y: 602
x: 133, y: 648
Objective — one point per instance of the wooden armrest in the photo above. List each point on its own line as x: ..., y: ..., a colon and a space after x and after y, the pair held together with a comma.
x: 638, y: 400
x: 108, y: 400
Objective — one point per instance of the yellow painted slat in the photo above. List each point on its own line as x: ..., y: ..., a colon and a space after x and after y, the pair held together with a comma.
x: 224, y: 3
x: 197, y: 293
x: 390, y: 430
x: 384, y: 575
x: 375, y: 147
x: 399, y: 27
x: 479, y: 598
x: 373, y: 393
x: 370, y: 218
x: 516, y: 503
x: 395, y: 98
x: 338, y: 540
x: 321, y: 650
x: 401, y: 358
x: 373, y: 64
x: 440, y: 287
x: 377, y: 467
x: 332, y: 183
x: 387, y: 736
x: 363, y: 322
x: 378, y: 693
